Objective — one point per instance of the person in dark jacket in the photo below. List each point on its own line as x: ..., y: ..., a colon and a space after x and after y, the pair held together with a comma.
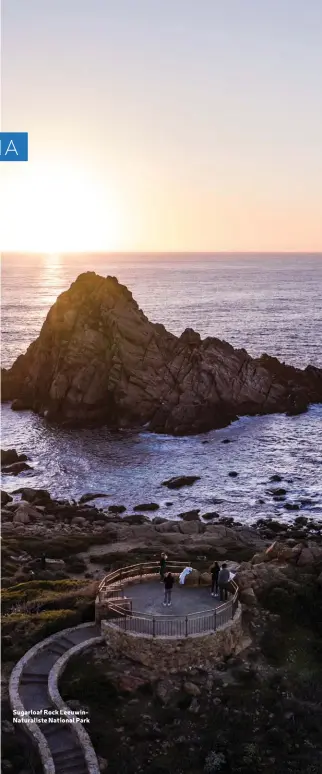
x: 215, y: 570
x: 168, y: 585
x: 223, y: 580
x: 163, y: 564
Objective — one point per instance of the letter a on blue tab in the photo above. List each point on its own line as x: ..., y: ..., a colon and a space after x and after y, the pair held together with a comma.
x: 13, y: 146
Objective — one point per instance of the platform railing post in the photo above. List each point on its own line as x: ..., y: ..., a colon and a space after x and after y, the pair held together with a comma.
x: 186, y: 626
x: 153, y: 627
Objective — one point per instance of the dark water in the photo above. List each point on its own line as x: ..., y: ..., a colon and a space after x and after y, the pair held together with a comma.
x: 264, y: 303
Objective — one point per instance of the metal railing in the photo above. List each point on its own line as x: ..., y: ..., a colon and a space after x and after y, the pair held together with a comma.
x: 111, y: 590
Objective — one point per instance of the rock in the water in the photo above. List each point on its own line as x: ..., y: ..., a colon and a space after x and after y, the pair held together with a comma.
x: 116, y: 508
x: 210, y: 515
x: 292, y: 507
x: 147, y: 507
x: 9, y: 456
x: 16, y: 468
x: 85, y: 498
x: 276, y: 477
x: 98, y: 358
x: 233, y: 474
x: 31, y: 495
x: 176, y: 482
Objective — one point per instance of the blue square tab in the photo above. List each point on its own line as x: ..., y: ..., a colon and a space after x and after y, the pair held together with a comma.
x: 13, y: 146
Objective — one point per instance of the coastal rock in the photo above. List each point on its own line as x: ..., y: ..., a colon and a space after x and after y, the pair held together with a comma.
x: 147, y: 507
x: 189, y: 515
x: 16, y: 468
x: 5, y: 498
x: 99, y: 359
x: 176, y: 482
x: 85, y: 498
x: 8, y: 456
x: 33, y: 495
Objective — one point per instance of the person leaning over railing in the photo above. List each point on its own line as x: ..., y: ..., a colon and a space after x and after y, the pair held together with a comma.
x: 223, y: 580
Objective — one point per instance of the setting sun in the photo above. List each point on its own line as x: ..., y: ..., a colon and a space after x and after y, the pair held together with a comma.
x: 67, y: 211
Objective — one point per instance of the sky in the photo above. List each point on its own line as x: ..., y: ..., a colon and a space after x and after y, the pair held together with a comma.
x: 161, y: 125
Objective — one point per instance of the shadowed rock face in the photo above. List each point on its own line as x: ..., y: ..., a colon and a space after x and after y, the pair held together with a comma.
x: 99, y: 359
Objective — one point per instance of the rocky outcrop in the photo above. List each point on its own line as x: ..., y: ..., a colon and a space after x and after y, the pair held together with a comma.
x: 99, y: 359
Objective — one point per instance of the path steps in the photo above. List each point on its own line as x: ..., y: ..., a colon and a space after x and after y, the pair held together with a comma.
x: 65, y: 747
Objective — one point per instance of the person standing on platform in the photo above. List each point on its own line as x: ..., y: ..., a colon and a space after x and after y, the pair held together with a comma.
x: 215, y: 570
x: 163, y: 564
x: 168, y: 585
x: 223, y: 579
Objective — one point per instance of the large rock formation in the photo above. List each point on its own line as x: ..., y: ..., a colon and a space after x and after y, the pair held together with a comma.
x: 98, y: 358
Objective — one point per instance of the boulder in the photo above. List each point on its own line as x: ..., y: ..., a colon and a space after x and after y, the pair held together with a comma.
x: 146, y: 507
x: 305, y: 558
x: 191, y: 689
x: 78, y: 521
x: 192, y: 579
x: 117, y: 508
x: 176, y: 482
x: 85, y: 498
x: 205, y: 579
x: 210, y: 515
x: 8, y: 456
x: 248, y: 597
x: 5, y: 498
x: 135, y: 519
x: 276, y: 477
x: 25, y: 513
x: 233, y: 473
x: 189, y: 515
x: 15, y: 468
x: 30, y: 495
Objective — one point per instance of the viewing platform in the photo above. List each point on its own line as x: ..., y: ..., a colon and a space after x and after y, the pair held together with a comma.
x: 135, y: 622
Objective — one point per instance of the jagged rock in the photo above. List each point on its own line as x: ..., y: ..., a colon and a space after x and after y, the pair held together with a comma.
x: 189, y: 515
x: 147, y: 507
x: 16, y: 468
x: 85, y: 498
x: 248, y: 597
x: 210, y: 515
x: 135, y: 519
x: 30, y: 495
x: 25, y: 512
x: 98, y: 358
x: 8, y: 456
x: 178, y: 481
x: 5, y: 498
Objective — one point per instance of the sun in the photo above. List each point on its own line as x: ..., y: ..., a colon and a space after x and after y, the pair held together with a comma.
x: 55, y: 208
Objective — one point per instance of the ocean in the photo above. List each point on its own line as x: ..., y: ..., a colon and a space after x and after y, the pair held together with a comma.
x: 264, y: 303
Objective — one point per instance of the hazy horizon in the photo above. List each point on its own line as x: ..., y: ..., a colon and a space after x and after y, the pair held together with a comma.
x: 160, y: 127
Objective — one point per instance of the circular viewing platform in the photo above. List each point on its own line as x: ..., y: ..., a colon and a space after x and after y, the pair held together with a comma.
x: 132, y: 600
